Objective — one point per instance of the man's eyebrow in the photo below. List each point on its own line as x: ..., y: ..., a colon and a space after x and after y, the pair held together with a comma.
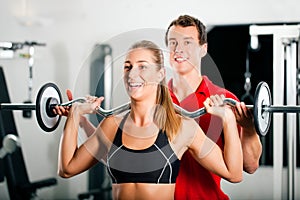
x: 171, y: 39
x: 185, y: 38
x: 188, y: 38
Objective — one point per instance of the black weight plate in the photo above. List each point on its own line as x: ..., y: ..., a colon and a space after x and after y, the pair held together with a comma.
x: 47, y: 122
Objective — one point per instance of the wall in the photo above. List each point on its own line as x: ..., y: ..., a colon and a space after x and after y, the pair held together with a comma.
x: 70, y: 29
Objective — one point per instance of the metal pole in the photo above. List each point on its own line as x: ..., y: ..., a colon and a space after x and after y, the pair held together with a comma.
x: 278, y: 79
x: 291, y: 117
x: 16, y: 106
x: 108, y: 77
x: 282, y: 109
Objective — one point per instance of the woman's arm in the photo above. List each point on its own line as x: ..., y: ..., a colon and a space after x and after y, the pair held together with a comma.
x: 87, y: 126
x: 74, y: 160
x: 84, y: 123
x: 227, y: 164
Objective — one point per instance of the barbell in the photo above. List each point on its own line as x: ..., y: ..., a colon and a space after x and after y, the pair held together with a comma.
x: 49, y: 96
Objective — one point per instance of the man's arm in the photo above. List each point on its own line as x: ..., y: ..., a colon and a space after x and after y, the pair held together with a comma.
x: 251, y: 144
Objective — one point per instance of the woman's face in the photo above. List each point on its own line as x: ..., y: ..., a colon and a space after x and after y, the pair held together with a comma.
x: 141, y: 74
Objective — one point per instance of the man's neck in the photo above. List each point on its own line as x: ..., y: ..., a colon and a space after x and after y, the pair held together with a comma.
x: 183, y: 86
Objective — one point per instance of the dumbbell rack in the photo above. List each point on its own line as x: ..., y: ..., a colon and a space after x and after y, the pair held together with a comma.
x: 285, y: 46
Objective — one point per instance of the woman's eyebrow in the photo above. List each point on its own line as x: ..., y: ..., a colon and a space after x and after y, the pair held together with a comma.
x: 141, y: 61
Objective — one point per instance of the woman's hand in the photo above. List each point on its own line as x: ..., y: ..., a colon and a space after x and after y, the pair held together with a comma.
x: 215, y: 106
x: 89, y: 107
x: 63, y: 110
x: 92, y: 103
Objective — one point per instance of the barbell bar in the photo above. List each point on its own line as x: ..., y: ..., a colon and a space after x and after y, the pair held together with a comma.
x: 49, y: 96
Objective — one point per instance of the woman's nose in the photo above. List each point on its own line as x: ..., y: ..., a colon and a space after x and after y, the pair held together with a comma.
x: 133, y: 72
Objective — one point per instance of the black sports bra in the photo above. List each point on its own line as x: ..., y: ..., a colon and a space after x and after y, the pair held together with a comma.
x: 155, y: 164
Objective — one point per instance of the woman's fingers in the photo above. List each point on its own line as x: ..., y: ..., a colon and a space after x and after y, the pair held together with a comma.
x: 69, y: 94
x: 217, y: 100
x: 60, y: 110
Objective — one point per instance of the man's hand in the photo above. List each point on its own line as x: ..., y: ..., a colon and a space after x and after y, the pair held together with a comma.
x: 243, y: 115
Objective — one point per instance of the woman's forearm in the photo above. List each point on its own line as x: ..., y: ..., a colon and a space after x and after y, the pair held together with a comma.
x: 68, y: 143
x: 233, y: 155
x: 87, y: 126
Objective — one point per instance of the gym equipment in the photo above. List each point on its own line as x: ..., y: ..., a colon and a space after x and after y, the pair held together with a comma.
x: 285, y: 48
x: 30, y: 57
x: 13, y: 167
x: 12, y: 47
x: 49, y: 93
x: 9, y: 144
x: 47, y: 98
x: 50, y: 96
x: 247, y: 97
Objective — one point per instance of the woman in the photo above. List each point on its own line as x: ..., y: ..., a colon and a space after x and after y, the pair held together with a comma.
x: 142, y: 148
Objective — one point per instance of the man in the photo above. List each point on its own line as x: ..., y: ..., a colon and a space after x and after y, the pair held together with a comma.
x: 187, y: 42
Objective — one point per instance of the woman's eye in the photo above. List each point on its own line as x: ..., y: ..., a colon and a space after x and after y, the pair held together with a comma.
x: 143, y: 67
x: 127, y: 67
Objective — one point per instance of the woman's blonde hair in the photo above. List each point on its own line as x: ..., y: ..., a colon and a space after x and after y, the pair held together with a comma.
x: 165, y: 115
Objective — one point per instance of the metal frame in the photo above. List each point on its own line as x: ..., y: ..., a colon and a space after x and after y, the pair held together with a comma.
x: 284, y: 48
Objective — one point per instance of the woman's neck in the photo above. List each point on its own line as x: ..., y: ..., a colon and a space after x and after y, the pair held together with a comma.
x: 142, y: 113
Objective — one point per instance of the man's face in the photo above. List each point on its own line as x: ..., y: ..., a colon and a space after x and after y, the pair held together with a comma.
x: 185, y: 50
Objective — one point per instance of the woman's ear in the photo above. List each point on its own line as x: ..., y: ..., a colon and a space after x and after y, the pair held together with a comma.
x: 203, y: 50
x: 161, y: 74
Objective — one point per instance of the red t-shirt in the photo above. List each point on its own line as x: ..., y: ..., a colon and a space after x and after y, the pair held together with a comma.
x: 194, y: 181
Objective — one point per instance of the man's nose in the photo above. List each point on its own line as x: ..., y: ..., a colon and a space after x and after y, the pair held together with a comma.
x: 178, y: 48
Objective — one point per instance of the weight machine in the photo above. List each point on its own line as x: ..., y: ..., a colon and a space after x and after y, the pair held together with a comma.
x: 285, y: 58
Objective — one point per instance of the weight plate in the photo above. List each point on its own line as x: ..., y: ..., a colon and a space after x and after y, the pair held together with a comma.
x: 47, y: 122
x: 262, y: 98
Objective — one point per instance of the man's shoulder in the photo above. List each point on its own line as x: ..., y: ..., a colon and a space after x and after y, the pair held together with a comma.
x: 217, y: 89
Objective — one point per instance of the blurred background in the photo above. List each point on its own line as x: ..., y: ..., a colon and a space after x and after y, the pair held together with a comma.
x: 71, y: 39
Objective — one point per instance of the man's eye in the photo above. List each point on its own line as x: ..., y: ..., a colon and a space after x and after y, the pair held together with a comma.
x: 172, y: 43
x: 187, y: 42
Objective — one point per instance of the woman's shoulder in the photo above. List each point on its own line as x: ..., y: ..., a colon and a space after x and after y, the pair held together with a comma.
x: 185, y: 136
x: 109, y: 125
x: 113, y: 120
x: 189, y: 123
x: 188, y: 129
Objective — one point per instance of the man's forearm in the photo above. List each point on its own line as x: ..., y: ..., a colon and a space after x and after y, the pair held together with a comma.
x: 252, y: 149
